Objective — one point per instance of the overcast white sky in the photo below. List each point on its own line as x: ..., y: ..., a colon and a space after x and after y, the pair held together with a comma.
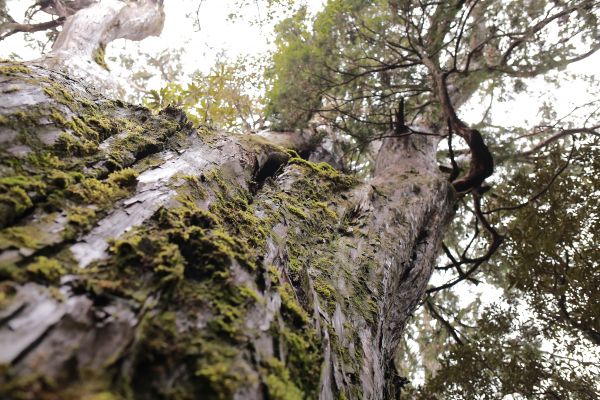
x: 217, y: 32
x: 240, y: 37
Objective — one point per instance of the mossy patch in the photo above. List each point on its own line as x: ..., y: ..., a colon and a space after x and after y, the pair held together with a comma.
x: 61, y: 95
x: 189, y: 254
x: 279, y: 384
x: 194, y: 272
x: 126, y: 177
x: 46, y: 269
x: 14, y: 69
x: 98, y: 57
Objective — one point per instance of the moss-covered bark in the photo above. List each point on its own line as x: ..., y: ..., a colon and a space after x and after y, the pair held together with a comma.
x: 142, y: 258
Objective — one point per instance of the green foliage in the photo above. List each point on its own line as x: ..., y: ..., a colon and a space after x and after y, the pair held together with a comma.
x: 539, y: 340
x: 350, y: 65
x: 555, y: 251
x: 504, y: 358
x: 222, y: 98
x: 292, y: 93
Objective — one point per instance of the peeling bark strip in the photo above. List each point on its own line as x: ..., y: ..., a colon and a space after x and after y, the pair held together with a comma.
x: 142, y: 258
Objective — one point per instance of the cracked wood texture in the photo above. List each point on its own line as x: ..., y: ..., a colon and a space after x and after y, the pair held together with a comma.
x: 143, y: 258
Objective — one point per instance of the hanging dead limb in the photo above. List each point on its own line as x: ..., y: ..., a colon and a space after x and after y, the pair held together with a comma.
x: 481, y: 165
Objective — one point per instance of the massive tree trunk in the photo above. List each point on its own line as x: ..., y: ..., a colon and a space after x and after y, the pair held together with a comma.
x: 143, y: 258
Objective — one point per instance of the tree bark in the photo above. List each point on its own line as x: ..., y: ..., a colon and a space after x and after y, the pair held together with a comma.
x: 142, y: 258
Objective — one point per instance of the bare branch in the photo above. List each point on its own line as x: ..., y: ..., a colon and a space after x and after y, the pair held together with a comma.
x: 10, y: 29
x: 447, y: 325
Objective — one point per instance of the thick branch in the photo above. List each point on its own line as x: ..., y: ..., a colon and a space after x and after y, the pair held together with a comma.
x: 482, y: 162
x: 92, y: 28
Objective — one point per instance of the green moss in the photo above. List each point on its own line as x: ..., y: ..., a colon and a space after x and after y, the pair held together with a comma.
x: 101, y: 396
x: 219, y: 371
x: 14, y: 202
x: 320, y: 205
x: 260, y: 144
x: 290, y: 307
x: 81, y: 218
x: 61, y: 95
x: 199, y: 262
x: 278, y: 382
x: 85, y: 130
x: 124, y: 178
x: 67, y: 144
x: 296, y: 211
x: 101, y: 122
x: 303, y: 358
x: 274, y: 275
x: 169, y: 264
x: 63, y: 180
x: 94, y: 191
x: 324, y: 289
x: 21, y: 236
x: 249, y: 294
x: 25, y: 118
x: 140, y: 139
x: 228, y: 319
x: 189, y: 255
x: 46, y: 269
x: 10, y: 272
x: 324, y: 170
x: 7, y: 292
x: 14, y: 69
x: 98, y: 57
x: 235, y: 212
x: 195, y: 188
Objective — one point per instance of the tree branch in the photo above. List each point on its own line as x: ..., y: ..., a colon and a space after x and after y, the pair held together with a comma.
x: 447, y: 325
x: 10, y: 29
